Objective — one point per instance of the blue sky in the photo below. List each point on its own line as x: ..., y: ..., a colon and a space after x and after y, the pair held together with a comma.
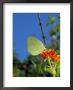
x: 26, y: 25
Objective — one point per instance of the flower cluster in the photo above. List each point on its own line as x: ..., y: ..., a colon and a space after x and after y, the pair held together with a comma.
x: 50, y: 53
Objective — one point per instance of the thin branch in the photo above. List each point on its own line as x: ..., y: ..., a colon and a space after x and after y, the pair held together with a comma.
x: 40, y: 24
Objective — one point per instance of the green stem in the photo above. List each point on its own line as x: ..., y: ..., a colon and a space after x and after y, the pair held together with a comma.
x: 50, y: 63
x: 52, y: 68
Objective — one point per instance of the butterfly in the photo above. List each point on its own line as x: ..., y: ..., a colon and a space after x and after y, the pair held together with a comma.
x: 35, y: 46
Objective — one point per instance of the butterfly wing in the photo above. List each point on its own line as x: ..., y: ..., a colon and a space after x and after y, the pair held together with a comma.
x: 35, y: 46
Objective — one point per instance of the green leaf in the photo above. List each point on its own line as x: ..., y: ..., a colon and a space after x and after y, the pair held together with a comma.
x: 52, y: 20
x: 35, y: 46
x: 52, y: 32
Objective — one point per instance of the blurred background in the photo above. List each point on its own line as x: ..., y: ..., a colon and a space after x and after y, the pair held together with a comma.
x: 43, y: 26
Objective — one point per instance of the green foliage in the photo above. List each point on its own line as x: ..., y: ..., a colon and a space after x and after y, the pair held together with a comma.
x: 55, y: 36
x: 16, y: 71
x: 16, y: 61
x: 51, y: 20
x: 55, y: 30
x: 58, y: 69
x: 52, y: 32
x: 57, y: 27
x: 58, y: 51
x: 37, y: 67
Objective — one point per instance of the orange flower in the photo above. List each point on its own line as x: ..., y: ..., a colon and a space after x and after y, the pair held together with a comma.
x: 57, y: 58
x: 45, y: 54
x: 50, y: 53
